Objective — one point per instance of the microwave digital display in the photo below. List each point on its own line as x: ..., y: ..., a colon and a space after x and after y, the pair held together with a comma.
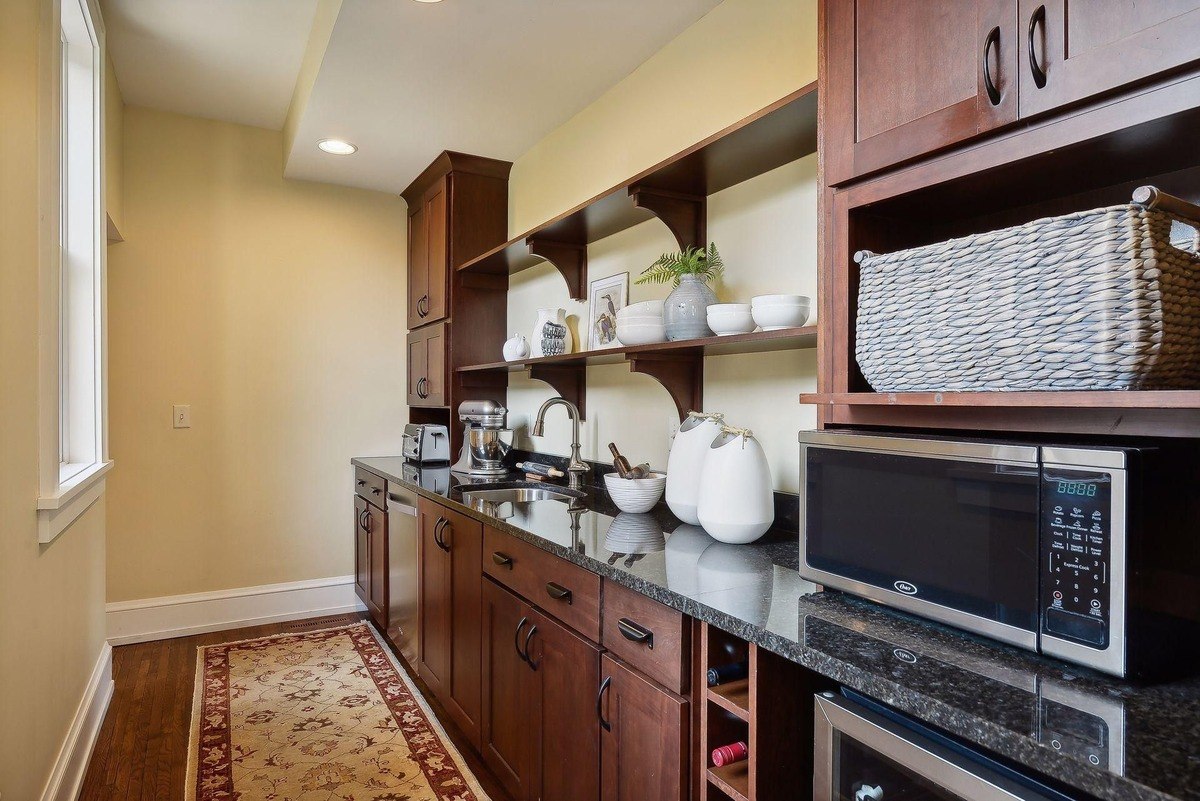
x: 1082, y: 489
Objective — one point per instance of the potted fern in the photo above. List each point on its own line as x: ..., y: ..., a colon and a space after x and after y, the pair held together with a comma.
x: 690, y: 271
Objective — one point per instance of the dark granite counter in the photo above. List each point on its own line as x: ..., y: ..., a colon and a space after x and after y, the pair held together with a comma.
x: 1107, y: 738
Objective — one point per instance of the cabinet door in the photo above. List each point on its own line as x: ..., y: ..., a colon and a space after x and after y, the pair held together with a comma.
x: 427, y: 366
x: 644, y: 738
x: 418, y: 267
x: 362, y: 550
x: 1081, y: 48
x: 435, y: 626
x: 904, y: 79
x: 507, y: 690
x: 463, y: 539
x: 437, y: 242
x: 378, y: 561
x: 566, y: 729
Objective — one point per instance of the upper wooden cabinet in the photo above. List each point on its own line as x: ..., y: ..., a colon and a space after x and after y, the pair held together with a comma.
x: 457, y: 209
x: 1076, y: 49
x: 427, y: 366
x: 904, y: 78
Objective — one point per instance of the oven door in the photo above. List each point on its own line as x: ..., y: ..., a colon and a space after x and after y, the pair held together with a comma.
x: 943, y: 529
x: 860, y: 755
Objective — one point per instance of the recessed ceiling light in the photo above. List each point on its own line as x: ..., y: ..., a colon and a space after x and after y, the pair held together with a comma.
x: 337, y: 147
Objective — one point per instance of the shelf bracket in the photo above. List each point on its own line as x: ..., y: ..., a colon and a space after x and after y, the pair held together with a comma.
x: 570, y: 260
x: 681, y: 375
x: 569, y: 381
x: 685, y: 215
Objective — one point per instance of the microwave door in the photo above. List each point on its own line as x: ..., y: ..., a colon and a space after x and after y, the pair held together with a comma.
x: 953, y: 538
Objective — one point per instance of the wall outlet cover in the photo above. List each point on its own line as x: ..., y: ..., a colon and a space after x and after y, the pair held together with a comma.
x: 181, y: 416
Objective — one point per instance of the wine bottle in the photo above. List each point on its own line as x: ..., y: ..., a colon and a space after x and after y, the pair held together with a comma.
x: 722, y: 674
x: 728, y: 754
x: 619, y: 461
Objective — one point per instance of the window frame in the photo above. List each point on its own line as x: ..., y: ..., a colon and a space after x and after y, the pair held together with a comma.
x: 73, y: 420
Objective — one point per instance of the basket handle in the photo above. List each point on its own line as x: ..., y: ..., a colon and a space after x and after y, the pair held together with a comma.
x: 862, y: 255
x: 1150, y: 197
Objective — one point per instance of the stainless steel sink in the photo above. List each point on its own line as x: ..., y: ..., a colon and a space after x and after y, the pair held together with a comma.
x: 498, y: 500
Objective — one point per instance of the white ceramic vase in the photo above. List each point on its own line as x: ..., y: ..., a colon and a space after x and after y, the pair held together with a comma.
x: 550, y: 316
x: 736, y: 503
x: 684, y: 463
x: 517, y: 347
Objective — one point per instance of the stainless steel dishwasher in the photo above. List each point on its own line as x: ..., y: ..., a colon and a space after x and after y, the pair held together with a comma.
x: 403, y: 621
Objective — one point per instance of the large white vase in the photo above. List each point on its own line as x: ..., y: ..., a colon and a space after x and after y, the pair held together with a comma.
x: 736, y: 503
x: 684, y: 463
x: 547, y: 316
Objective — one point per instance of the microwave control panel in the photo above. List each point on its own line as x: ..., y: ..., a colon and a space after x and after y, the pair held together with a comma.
x: 1076, y: 509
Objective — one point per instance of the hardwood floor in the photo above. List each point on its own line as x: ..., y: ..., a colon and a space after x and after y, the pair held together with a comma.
x: 141, y: 753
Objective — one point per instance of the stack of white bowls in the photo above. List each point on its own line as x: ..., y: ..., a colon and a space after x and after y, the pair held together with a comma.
x: 774, y: 312
x: 730, y: 318
x: 641, y: 323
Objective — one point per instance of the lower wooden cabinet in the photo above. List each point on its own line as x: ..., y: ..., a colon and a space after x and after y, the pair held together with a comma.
x: 370, y: 559
x: 644, y: 739
x: 541, y: 734
x: 450, y: 548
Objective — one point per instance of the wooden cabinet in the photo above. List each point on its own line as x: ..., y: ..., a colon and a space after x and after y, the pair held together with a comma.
x: 905, y: 79
x: 540, y: 728
x: 371, y: 556
x: 644, y: 738
x: 428, y: 256
x: 1073, y: 50
x: 449, y: 551
x: 427, y: 366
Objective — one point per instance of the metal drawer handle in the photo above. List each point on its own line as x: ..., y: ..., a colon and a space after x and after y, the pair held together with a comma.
x: 558, y: 592
x: 375, y: 490
x: 502, y: 560
x: 635, y: 633
x: 441, y: 526
x: 361, y: 482
x: 1039, y: 74
x: 992, y: 40
x: 517, y: 639
x: 525, y: 648
x: 604, y: 685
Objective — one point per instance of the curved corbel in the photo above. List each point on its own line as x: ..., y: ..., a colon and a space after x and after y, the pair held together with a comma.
x: 569, y: 381
x: 681, y: 375
x: 686, y: 216
x: 569, y: 259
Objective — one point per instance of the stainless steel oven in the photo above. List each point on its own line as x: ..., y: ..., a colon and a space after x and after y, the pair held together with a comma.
x: 1082, y: 552
x: 868, y: 754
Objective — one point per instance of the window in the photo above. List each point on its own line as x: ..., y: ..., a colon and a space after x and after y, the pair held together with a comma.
x: 73, y: 448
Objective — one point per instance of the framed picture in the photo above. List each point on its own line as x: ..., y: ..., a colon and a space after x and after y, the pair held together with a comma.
x: 605, y: 297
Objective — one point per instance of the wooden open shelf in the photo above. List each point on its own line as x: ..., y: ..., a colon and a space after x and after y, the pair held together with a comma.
x: 733, y: 697
x: 733, y: 780
x: 674, y: 191
x: 1165, y: 399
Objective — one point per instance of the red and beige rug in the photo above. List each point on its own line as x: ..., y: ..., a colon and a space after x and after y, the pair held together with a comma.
x: 326, y: 715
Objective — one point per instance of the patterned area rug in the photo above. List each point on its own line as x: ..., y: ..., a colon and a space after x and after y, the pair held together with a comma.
x: 326, y: 715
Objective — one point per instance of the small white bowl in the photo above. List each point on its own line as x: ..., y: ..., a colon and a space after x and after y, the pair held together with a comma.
x: 641, y: 333
x: 730, y: 318
x: 635, y: 494
x: 787, y: 300
x: 639, y: 318
x: 646, y: 307
x: 776, y: 317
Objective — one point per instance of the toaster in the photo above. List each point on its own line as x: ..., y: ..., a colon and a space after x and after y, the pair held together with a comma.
x: 426, y: 443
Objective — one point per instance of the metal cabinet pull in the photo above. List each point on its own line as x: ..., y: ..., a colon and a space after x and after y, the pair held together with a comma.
x: 422, y: 388
x: 604, y: 685
x: 525, y: 648
x: 992, y: 40
x: 438, y: 528
x: 502, y: 560
x: 361, y: 483
x: 363, y: 516
x: 517, y: 639
x: 558, y: 592
x: 635, y: 633
x: 367, y: 520
x: 1039, y: 74
x: 423, y: 306
x: 375, y: 490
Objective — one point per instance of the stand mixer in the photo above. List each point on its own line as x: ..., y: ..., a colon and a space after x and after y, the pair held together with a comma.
x: 486, y: 441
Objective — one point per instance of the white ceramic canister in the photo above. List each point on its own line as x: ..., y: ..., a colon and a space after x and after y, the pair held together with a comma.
x: 736, y: 503
x: 516, y: 347
x: 688, y: 450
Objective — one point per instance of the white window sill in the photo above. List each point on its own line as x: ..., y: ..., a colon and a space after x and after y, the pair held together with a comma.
x: 58, y: 510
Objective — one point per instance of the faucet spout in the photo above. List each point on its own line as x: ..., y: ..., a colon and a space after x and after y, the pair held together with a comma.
x: 576, y: 467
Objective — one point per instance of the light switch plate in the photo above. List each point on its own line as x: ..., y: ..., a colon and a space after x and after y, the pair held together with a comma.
x: 181, y: 416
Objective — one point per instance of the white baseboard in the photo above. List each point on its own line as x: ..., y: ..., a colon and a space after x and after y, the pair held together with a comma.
x: 202, y: 612
x: 66, y: 779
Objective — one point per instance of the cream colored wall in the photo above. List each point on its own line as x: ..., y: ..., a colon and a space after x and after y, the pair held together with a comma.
x: 273, y: 308
x: 742, y: 56
x: 51, y: 596
x: 114, y: 149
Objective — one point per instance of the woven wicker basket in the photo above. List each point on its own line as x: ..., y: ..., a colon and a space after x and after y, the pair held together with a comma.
x: 1098, y: 300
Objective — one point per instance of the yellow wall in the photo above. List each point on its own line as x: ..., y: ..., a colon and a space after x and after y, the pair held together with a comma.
x: 275, y: 309
x: 742, y: 56
x: 51, y: 597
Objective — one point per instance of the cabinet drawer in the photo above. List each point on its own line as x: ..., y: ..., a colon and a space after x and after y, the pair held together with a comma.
x: 651, y: 637
x: 371, y: 487
x: 566, y: 591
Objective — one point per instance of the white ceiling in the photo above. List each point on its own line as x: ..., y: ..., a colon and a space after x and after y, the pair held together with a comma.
x: 233, y: 60
x: 403, y: 80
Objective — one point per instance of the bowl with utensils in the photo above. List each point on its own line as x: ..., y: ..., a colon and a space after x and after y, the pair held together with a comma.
x: 774, y: 312
x: 635, y: 494
x: 730, y: 318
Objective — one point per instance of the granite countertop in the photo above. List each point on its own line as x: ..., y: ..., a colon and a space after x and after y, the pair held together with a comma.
x: 1111, y: 739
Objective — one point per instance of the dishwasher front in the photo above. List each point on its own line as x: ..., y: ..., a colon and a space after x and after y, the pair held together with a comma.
x: 403, y: 620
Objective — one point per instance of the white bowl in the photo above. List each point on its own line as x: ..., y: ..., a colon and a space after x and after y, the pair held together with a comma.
x: 773, y: 300
x: 646, y: 307
x: 640, y: 318
x: 641, y: 333
x: 635, y: 494
x: 730, y: 318
x: 773, y: 318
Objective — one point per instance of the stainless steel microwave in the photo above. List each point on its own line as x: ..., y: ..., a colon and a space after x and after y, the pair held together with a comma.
x: 1087, y: 553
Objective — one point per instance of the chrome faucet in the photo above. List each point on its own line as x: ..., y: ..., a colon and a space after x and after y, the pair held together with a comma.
x: 576, y: 468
